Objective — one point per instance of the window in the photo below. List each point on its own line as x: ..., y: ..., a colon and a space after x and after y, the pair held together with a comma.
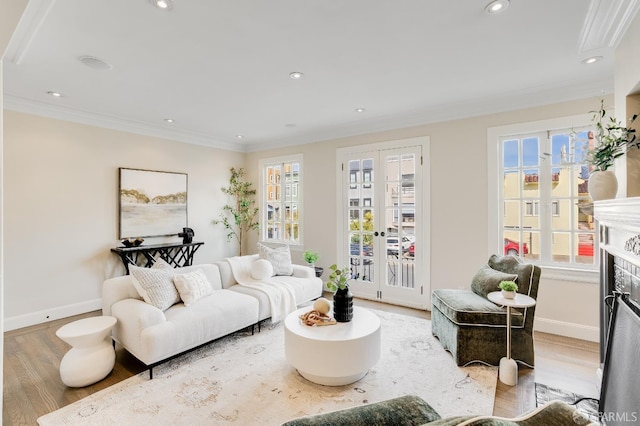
x: 543, y: 188
x: 281, y: 182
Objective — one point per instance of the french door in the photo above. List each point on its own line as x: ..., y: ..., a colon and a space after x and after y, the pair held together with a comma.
x: 382, y: 237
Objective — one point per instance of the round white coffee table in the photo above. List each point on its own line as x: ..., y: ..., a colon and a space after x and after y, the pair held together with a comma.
x: 92, y: 356
x: 333, y: 355
x: 508, y: 368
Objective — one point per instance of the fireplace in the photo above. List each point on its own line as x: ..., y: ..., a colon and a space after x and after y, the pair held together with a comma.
x: 619, y: 242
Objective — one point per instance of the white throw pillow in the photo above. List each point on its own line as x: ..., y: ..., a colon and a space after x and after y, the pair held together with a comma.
x: 261, y: 269
x: 192, y: 286
x: 155, y: 286
x: 279, y: 257
x: 160, y: 263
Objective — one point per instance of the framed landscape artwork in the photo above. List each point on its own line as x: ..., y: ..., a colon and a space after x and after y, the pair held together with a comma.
x: 152, y: 203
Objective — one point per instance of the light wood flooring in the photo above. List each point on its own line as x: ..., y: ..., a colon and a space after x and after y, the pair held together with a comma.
x: 32, y: 385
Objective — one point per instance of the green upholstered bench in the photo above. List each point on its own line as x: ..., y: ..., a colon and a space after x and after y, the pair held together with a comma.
x: 411, y: 410
x: 473, y: 328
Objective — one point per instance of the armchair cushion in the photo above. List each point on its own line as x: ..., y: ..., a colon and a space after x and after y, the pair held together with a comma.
x: 464, y: 307
x: 487, y: 279
x: 527, y: 280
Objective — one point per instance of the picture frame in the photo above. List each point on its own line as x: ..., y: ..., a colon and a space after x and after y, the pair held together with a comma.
x: 151, y: 203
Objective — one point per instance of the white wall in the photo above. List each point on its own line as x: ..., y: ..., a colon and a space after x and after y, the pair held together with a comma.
x: 459, y: 206
x: 61, y: 209
x: 627, y: 82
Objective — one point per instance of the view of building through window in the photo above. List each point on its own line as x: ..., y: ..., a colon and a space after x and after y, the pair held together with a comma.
x: 547, y: 210
x: 280, y: 220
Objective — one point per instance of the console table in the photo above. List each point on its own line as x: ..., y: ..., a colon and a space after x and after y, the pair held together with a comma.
x: 176, y: 254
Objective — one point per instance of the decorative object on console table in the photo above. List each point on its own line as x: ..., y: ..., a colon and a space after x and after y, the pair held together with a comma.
x: 187, y: 235
x: 342, y: 298
x: 132, y: 242
x: 152, y: 203
x: 176, y: 254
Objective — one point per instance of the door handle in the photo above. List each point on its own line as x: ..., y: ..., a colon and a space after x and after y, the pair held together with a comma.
x: 375, y: 234
x: 382, y: 234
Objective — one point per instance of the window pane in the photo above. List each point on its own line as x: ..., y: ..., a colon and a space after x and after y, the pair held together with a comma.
x: 561, y: 215
x: 531, y: 209
x: 530, y: 152
x: 531, y: 183
x: 561, y: 246
x: 511, y: 214
x: 531, y: 245
x: 585, y: 252
x: 510, y: 155
x: 511, y: 184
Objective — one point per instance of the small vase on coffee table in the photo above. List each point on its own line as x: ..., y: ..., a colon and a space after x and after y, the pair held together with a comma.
x: 343, y: 305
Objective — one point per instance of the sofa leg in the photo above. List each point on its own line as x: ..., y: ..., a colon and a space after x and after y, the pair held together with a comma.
x: 150, y: 373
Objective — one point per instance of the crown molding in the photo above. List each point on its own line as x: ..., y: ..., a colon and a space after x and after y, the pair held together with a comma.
x: 605, y: 24
x: 114, y: 123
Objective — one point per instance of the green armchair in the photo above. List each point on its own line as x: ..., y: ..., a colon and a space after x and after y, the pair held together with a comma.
x: 473, y: 328
x: 411, y: 410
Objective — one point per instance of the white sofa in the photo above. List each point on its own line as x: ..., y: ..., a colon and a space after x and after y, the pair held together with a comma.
x: 153, y: 335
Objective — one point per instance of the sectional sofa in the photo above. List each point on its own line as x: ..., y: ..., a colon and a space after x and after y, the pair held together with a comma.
x: 154, y: 333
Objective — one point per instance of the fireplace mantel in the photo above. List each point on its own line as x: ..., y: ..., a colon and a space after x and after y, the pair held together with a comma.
x: 623, y: 213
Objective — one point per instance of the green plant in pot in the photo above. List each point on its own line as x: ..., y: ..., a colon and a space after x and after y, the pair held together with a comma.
x: 509, y: 289
x: 311, y: 257
x: 612, y: 141
x: 342, y: 297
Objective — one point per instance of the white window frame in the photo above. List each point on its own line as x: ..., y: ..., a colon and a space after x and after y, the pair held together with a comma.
x: 283, y: 201
x: 495, y: 202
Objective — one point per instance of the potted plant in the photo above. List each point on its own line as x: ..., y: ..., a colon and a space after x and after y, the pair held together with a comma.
x: 342, y: 297
x: 509, y: 289
x: 311, y: 257
x: 612, y: 141
x: 239, y: 216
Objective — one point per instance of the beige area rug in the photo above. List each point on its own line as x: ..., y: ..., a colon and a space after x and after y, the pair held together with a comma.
x: 246, y: 380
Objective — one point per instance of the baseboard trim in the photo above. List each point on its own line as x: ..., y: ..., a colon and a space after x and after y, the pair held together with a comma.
x: 567, y: 329
x: 39, y: 317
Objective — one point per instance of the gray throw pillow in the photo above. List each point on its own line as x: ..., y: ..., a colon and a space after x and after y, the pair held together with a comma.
x: 514, y: 265
x: 487, y: 279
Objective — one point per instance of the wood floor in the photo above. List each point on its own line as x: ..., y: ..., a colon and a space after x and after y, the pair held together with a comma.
x: 32, y: 385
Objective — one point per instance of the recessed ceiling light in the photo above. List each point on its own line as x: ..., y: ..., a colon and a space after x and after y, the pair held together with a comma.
x: 169, y: 120
x: 95, y: 63
x: 360, y: 110
x: 54, y: 94
x: 239, y: 136
x: 296, y: 75
x: 496, y: 6
x: 592, y: 59
x: 162, y: 4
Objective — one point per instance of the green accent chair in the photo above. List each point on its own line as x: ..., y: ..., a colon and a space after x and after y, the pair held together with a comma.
x: 473, y: 328
x: 411, y: 410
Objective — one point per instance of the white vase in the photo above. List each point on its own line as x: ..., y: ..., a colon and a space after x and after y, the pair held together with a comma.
x: 508, y: 294
x: 603, y: 185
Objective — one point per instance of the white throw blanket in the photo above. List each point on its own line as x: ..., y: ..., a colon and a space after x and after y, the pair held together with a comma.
x: 281, y: 295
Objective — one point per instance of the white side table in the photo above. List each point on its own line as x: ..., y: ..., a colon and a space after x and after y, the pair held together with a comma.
x: 333, y: 355
x: 92, y: 356
x: 508, y: 367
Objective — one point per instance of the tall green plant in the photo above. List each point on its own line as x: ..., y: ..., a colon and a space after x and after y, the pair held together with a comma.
x: 239, y: 216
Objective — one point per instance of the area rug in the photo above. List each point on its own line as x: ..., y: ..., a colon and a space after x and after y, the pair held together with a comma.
x: 585, y: 405
x: 245, y: 379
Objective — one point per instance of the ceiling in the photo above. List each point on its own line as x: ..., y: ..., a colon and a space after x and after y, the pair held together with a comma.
x: 221, y: 69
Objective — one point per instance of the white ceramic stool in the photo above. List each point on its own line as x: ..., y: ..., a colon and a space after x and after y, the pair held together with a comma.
x: 92, y: 356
